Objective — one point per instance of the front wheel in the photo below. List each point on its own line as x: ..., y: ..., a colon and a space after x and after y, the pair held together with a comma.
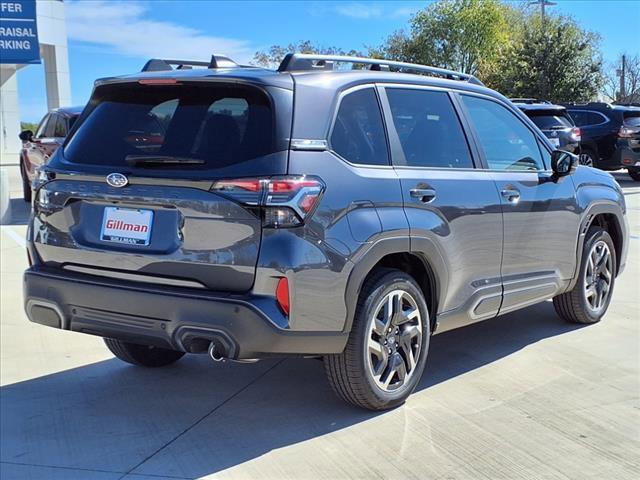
x: 589, y: 299
x: 634, y: 173
x: 142, y: 355
x: 387, y: 348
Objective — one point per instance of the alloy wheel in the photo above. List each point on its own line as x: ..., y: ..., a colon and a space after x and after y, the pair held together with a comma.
x: 598, y: 276
x: 394, y: 340
x: 585, y: 159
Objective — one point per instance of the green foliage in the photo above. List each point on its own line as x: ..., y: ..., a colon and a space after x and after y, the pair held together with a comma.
x: 28, y: 126
x: 556, y: 61
x: 506, y: 46
x: 272, y: 57
x: 461, y: 35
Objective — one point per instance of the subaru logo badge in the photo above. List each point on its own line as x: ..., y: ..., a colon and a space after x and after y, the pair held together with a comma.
x: 117, y: 180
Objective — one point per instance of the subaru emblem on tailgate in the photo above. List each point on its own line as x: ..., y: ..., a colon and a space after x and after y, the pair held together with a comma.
x: 117, y: 180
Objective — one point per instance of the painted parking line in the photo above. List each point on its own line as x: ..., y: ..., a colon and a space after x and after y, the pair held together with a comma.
x: 16, y: 237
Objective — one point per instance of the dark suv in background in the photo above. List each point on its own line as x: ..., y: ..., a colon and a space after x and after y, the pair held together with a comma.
x: 38, y: 147
x: 610, y: 135
x: 555, y: 123
x: 312, y: 210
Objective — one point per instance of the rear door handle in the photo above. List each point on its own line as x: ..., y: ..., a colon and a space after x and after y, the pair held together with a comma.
x: 425, y: 195
x: 511, y: 195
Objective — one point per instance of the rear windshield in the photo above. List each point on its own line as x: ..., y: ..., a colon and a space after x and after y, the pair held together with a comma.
x: 549, y: 121
x: 214, y: 126
x: 632, y: 119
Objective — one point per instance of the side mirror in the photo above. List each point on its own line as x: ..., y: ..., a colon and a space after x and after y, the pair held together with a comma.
x: 26, y: 135
x: 563, y: 163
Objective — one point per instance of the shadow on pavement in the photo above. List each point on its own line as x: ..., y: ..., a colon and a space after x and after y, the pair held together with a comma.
x: 20, y: 211
x: 197, y: 418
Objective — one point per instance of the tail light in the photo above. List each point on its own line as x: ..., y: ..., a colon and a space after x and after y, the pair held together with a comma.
x: 282, y: 294
x: 576, y: 134
x: 627, y: 132
x: 284, y: 201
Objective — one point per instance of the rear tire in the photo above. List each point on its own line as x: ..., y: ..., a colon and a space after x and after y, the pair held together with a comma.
x: 142, y: 355
x: 634, y: 173
x: 26, y: 184
x: 387, y: 349
x: 584, y: 304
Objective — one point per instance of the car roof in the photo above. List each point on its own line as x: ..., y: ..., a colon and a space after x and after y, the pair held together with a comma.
x: 336, y: 79
x: 69, y: 111
x: 253, y: 75
x: 526, y: 107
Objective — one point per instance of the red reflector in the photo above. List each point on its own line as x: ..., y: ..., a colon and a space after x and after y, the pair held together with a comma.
x: 158, y: 81
x: 627, y: 161
x: 282, y: 294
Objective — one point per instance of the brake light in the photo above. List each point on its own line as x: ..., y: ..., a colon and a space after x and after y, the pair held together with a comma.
x: 282, y: 294
x: 576, y: 134
x: 627, y: 132
x: 284, y: 201
x: 158, y: 81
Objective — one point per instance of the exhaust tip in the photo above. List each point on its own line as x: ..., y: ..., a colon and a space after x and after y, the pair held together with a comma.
x: 216, y: 353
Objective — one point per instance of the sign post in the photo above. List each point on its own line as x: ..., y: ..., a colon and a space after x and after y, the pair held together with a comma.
x: 18, y: 32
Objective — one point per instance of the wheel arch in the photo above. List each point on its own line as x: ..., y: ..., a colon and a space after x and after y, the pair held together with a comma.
x: 609, y: 216
x: 396, y: 253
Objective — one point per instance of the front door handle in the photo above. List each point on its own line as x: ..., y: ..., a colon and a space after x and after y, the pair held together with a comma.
x: 425, y: 195
x: 511, y: 195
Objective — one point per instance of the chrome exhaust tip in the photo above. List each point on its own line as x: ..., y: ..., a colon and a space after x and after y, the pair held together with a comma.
x: 215, y: 353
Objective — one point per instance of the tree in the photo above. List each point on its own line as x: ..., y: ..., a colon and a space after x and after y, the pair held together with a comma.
x: 272, y: 57
x: 555, y: 60
x: 462, y: 35
x: 611, y: 86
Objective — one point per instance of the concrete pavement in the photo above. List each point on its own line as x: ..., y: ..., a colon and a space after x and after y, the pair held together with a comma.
x: 518, y: 397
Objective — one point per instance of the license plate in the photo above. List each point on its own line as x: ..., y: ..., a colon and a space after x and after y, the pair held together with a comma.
x: 126, y: 225
x: 555, y: 142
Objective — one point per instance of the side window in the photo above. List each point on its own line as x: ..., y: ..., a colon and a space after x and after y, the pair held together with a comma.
x: 42, y: 127
x: 595, y: 118
x: 51, y: 126
x: 429, y: 129
x: 60, y: 129
x: 507, y: 143
x: 358, y: 133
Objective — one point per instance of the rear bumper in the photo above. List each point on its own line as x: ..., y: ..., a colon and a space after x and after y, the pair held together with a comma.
x: 625, y: 157
x: 179, y: 319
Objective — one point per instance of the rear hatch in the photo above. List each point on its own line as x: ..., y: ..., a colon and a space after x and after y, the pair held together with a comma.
x: 631, y: 129
x: 556, y: 125
x: 130, y: 195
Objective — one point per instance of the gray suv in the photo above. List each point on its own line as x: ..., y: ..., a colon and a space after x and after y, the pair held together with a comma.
x: 316, y: 210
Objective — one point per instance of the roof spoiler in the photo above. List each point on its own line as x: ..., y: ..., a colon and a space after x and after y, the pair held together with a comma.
x: 296, y: 62
x: 161, y: 65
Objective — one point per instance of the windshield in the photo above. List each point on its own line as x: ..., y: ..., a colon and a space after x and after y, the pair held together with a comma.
x: 632, y: 119
x: 217, y: 126
x: 547, y: 121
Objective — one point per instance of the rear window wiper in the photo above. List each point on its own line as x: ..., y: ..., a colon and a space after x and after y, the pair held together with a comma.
x: 160, y: 160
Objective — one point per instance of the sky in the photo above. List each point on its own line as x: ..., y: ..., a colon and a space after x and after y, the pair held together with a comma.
x: 114, y: 37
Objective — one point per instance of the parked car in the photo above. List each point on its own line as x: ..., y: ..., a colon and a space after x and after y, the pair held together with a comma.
x: 39, y: 147
x: 555, y: 123
x: 312, y: 212
x: 610, y: 135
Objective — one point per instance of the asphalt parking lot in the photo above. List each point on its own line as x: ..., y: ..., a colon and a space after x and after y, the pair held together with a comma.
x: 520, y: 396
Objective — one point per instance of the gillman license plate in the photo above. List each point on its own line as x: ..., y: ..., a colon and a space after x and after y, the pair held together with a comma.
x: 555, y: 142
x: 126, y: 225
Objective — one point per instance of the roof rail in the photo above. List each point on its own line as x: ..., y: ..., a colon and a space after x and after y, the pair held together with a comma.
x: 160, y: 65
x: 293, y: 62
x: 528, y: 101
